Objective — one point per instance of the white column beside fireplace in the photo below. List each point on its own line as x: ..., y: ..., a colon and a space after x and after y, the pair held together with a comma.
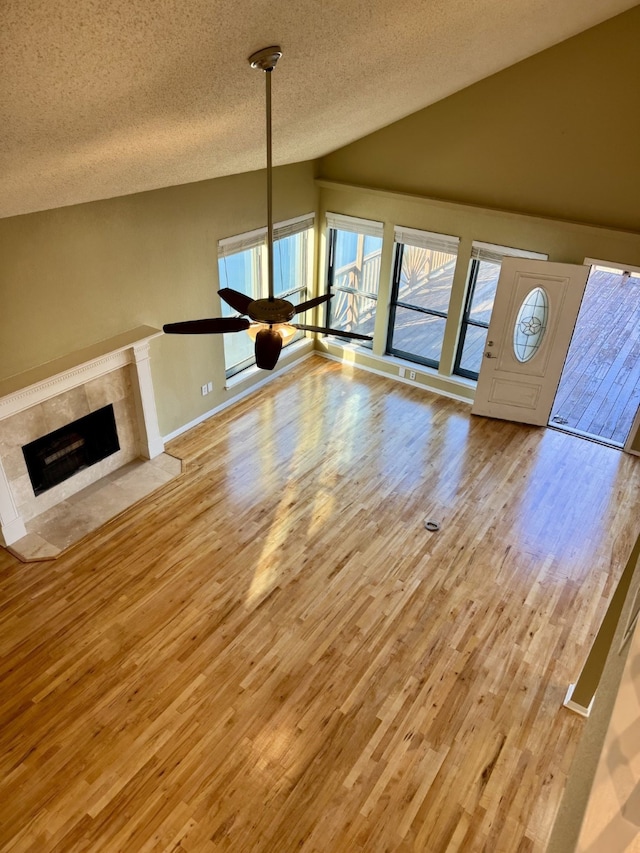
x: 117, y: 372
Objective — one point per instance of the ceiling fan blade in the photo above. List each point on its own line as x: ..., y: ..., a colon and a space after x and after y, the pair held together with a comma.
x: 311, y: 303
x: 268, y: 346
x: 237, y: 300
x: 213, y: 325
x: 326, y: 331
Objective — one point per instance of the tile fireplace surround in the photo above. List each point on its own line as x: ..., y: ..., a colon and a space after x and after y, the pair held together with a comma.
x: 32, y: 404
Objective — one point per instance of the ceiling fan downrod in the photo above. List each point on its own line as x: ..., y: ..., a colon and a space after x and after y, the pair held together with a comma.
x: 268, y: 321
x: 266, y: 60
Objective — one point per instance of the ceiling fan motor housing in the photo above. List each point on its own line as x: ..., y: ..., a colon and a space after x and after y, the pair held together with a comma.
x: 271, y: 311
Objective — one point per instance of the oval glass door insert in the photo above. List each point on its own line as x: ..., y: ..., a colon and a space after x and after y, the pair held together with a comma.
x: 531, y: 324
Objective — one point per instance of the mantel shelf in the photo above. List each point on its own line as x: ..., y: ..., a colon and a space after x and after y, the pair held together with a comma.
x: 20, y: 382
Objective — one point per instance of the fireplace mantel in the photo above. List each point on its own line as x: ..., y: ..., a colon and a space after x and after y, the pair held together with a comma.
x: 36, y: 386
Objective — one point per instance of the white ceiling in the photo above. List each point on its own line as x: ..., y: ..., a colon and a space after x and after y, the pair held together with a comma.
x: 100, y: 98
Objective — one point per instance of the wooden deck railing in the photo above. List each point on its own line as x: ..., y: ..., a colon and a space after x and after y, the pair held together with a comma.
x: 356, y: 284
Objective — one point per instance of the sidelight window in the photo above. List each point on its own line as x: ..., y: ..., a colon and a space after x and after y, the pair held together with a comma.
x: 484, y: 272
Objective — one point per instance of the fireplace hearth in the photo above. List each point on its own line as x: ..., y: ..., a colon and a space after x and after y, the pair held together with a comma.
x: 62, y: 453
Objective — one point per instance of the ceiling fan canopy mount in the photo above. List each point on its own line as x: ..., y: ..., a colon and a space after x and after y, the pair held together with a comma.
x: 266, y: 58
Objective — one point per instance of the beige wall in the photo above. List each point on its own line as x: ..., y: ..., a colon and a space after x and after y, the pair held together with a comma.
x: 77, y: 275
x: 555, y: 135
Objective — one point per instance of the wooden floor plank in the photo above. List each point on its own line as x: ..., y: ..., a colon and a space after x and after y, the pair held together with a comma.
x: 272, y: 654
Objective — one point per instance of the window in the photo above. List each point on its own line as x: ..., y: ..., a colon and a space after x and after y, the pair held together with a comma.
x: 242, y: 265
x: 484, y: 271
x: 355, y: 247
x: 422, y: 277
x: 530, y: 325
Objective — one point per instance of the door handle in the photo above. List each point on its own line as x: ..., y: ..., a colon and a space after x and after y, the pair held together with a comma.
x: 490, y: 355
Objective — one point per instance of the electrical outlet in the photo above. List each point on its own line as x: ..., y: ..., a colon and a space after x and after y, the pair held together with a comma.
x: 209, y: 387
x: 204, y: 390
x: 412, y: 374
x: 401, y: 372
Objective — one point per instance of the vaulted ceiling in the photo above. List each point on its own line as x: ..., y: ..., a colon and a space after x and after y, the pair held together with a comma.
x: 100, y: 98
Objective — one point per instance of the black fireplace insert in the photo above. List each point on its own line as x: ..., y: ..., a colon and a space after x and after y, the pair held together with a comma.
x: 60, y: 454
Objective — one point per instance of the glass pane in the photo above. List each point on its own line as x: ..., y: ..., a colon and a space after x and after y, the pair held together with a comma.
x: 530, y: 325
x: 425, y: 278
x: 297, y: 297
x: 346, y: 248
x: 357, y: 262
x: 484, y: 292
x: 290, y: 271
x: 353, y: 313
x: 474, y: 343
x: 238, y: 347
x: 418, y: 334
x: 371, y: 245
x: 289, y: 263
x: 240, y: 272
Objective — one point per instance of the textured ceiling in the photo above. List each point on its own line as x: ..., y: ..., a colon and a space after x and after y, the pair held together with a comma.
x: 100, y: 98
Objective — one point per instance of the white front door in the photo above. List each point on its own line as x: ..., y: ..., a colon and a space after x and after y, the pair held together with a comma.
x: 533, y: 317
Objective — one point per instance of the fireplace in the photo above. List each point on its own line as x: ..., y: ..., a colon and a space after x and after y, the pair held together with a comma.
x: 62, y: 453
x: 48, y: 446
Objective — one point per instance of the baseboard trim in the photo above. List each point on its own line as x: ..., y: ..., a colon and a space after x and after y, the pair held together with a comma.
x: 425, y: 386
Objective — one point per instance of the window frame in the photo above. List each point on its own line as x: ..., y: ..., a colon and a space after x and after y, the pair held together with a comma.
x: 421, y: 240
x: 257, y: 239
x: 364, y: 228
x: 466, y: 321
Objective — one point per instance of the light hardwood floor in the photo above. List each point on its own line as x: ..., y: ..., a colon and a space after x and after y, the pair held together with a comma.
x: 272, y: 654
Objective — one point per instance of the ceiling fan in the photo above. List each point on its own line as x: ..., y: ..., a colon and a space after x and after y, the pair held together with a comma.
x: 270, y: 318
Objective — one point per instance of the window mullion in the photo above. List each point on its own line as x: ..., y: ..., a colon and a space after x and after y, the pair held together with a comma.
x: 395, y: 284
x: 456, y: 308
x: 378, y: 345
x: 331, y: 250
x: 354, y: 290
x: 261, y: 273
x: 422, y: 310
